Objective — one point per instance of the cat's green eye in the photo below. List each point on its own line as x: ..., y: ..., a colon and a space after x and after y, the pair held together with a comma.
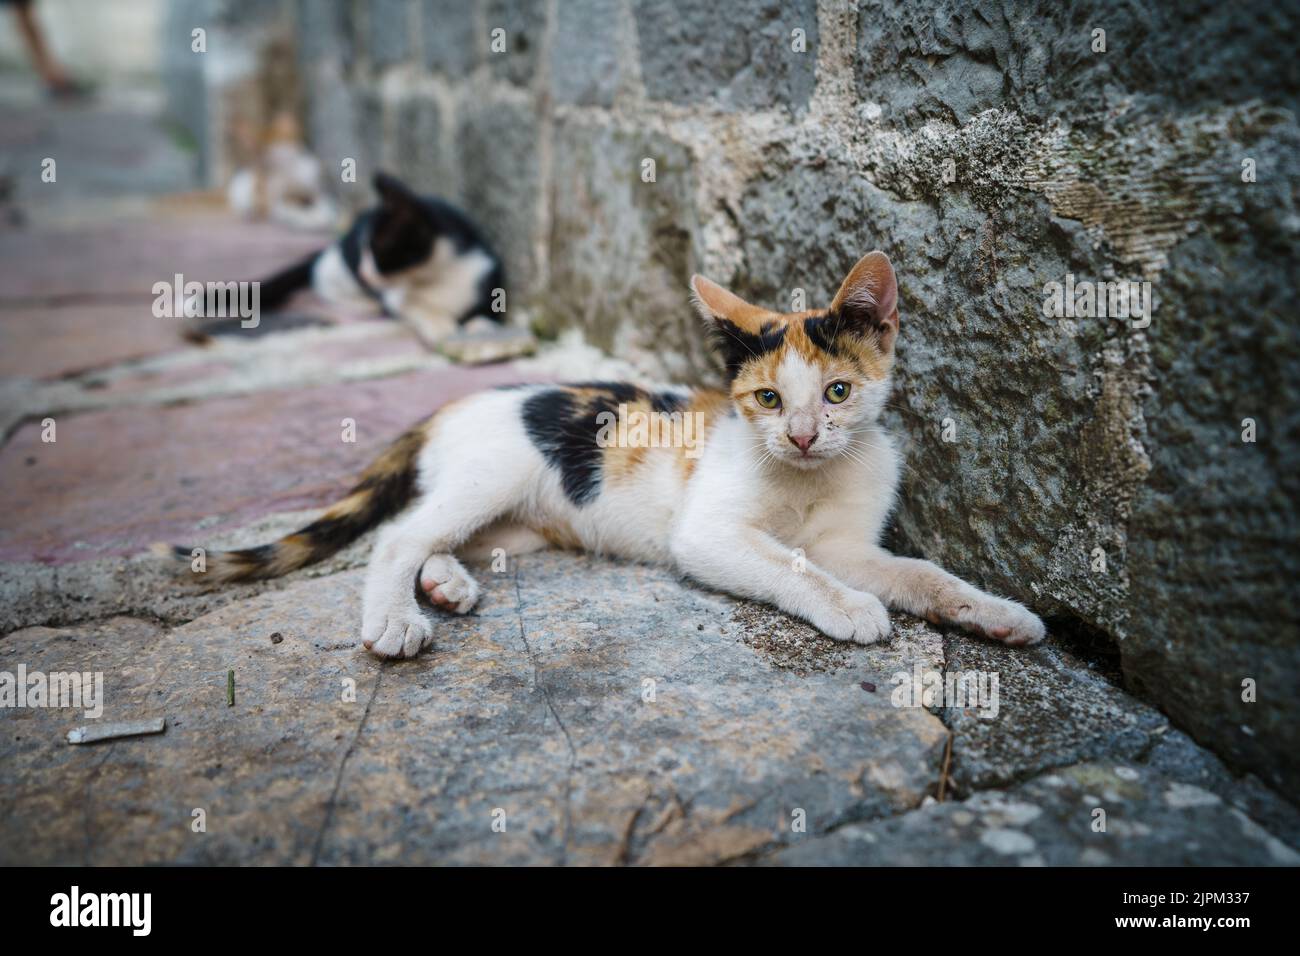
x: 767, y: 398
x: 837, y: 392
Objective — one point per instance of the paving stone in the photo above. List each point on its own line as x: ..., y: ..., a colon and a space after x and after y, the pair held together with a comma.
x: 537, y: 705
x: 240, y: 363
x: 122, y: 261
x: 52, y: 342
x: 1053, y: 710
x: 1150, y: 820
x: 116, y: 480
x: 41, y: 594
x: 1178, y: 757
x: 102, y: 151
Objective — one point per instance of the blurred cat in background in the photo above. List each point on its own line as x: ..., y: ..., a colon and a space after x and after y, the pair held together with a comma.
x: 418, y: 258
x: 284, y: 183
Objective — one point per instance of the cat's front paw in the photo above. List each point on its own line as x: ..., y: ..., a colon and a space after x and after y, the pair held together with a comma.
x: 396, y: 631
x: 999, y: 619
x: 448, y: 584
x: 859, y: 618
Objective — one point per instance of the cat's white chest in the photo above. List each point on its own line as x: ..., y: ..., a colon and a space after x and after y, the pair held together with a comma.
x: 853, y: 497
x: 801, y: 521
x: 437, y: 294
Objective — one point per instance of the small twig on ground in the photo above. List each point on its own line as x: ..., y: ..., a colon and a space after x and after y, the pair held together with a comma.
x: 230, y: 688
x: 943, y: 774
x: 91, y: 733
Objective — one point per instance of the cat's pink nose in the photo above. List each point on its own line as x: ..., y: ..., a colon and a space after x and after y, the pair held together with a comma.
x: 803, y: 441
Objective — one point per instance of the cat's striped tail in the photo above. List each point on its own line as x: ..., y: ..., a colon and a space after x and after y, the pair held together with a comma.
x: 384, y: 489
x: 275, y: 290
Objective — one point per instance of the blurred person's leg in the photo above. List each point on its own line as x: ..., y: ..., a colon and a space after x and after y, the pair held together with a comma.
x: 56, y: 78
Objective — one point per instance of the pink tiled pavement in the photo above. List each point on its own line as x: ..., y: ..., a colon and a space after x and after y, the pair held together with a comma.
x: 76, y: 301
x: 117, y: 480
x: 121, y: 262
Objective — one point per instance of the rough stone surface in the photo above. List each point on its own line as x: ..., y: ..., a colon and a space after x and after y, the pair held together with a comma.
x: 453, y: 42
x: 1077, y: 442
x: 389, y: 23
x: 1052, y: 711
x: 741, y: 60
x: 588, y: 61
x: 420, y: 155
x: 498, y: 146
x: 621, y: 253
x: 952, y: 61
x: 1149, y: 820
x: 523, y: 23
x: 325, y: 29
x: 627, y: 730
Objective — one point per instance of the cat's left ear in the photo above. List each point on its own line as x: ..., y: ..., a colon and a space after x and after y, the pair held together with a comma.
x: 714, y: 304
x: 868, y: 298
x: 392, y: 190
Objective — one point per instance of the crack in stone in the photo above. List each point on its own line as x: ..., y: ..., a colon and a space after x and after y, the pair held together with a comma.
x: 550, y: 705
x: 338, y: 780
x: 89, y: 847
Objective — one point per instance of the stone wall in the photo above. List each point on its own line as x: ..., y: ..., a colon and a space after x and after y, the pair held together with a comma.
x: 1092, y: 468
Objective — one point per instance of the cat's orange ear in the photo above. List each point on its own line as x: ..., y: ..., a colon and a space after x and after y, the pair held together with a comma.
x: 868, y: 298
x: 713, y: 302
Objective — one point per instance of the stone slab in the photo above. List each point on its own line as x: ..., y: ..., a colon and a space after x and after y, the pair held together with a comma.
x: 536, y: 705
x: 1149, y: 820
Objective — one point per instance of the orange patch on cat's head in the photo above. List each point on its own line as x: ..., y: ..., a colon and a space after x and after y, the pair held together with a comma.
x: 857, y: 331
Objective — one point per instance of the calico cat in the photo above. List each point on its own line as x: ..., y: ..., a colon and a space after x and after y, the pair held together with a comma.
x: 777, y: 491
x: 420, y: 258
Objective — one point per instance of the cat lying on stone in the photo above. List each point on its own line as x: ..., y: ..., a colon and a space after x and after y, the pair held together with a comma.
x: 419, y: 258
x: 776, y: 488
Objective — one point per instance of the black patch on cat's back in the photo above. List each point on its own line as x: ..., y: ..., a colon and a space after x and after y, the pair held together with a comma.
x: 667, y: 401
x: 563, y: 427
x: 563, y: 424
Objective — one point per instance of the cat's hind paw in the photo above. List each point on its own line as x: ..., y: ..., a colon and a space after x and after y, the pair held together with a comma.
x: 448, y: 585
